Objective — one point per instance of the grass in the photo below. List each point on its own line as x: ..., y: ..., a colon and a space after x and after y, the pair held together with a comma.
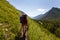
x: 37, y: 32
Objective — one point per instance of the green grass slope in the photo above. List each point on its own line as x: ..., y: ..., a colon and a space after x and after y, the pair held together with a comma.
x: 37, y: 32
x: 9, y: 18
x: 10, y: 25
x: 52, y: 26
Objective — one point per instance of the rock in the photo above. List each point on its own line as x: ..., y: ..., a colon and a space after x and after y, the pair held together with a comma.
x: 1, y: 24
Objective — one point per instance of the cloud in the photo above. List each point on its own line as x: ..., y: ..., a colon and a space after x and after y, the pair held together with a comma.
x: 41, y: 10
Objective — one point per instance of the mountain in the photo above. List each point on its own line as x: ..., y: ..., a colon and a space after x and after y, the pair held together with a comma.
x: 52, y: 15
x: 10, y: 25
x: 38, y: 17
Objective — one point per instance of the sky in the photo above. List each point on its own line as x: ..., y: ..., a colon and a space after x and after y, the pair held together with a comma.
x: 35, y: 7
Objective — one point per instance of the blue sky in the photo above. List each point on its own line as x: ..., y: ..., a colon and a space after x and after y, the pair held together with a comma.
x: 35, y: 7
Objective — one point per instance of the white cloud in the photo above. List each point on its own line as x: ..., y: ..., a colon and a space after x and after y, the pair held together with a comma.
x: 41, y: 10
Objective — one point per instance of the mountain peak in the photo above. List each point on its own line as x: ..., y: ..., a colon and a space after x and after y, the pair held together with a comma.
x: 53, y: 14
x: 55, y: 9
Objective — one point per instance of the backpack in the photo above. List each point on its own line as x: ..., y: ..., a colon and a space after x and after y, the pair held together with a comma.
x: 21, y: 19
x: 25, y: 19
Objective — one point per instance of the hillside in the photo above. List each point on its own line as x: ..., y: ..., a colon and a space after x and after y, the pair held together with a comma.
x: 10, y: 24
